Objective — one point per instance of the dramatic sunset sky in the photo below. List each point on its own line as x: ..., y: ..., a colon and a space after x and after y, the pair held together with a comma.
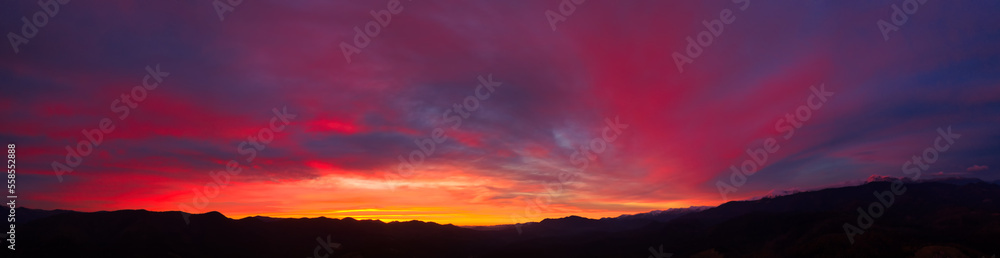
x: 607, y: 60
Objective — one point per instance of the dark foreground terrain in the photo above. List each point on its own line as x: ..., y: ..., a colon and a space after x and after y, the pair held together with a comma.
x: 951, y: 218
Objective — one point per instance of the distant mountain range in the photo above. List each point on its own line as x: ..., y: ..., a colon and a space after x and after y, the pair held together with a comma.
x: 940, y: 218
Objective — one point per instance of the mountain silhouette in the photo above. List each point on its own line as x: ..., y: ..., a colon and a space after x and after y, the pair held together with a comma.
x: 952, y: 217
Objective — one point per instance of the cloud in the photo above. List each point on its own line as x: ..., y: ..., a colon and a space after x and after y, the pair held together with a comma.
x: 974, y: 168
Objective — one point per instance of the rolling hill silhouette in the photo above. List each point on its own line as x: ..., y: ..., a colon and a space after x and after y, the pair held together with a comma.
x: 956, y: 218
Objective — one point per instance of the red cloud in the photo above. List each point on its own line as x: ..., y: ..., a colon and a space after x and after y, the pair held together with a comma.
x: 977, y: 168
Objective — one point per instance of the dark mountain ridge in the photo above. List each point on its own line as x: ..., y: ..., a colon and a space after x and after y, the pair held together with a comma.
x: 944, y: 217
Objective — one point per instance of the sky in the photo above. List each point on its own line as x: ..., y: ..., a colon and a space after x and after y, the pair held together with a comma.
x: 534, y: 109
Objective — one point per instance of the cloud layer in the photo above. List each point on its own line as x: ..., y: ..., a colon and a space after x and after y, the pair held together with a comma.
x: 606, y: 60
